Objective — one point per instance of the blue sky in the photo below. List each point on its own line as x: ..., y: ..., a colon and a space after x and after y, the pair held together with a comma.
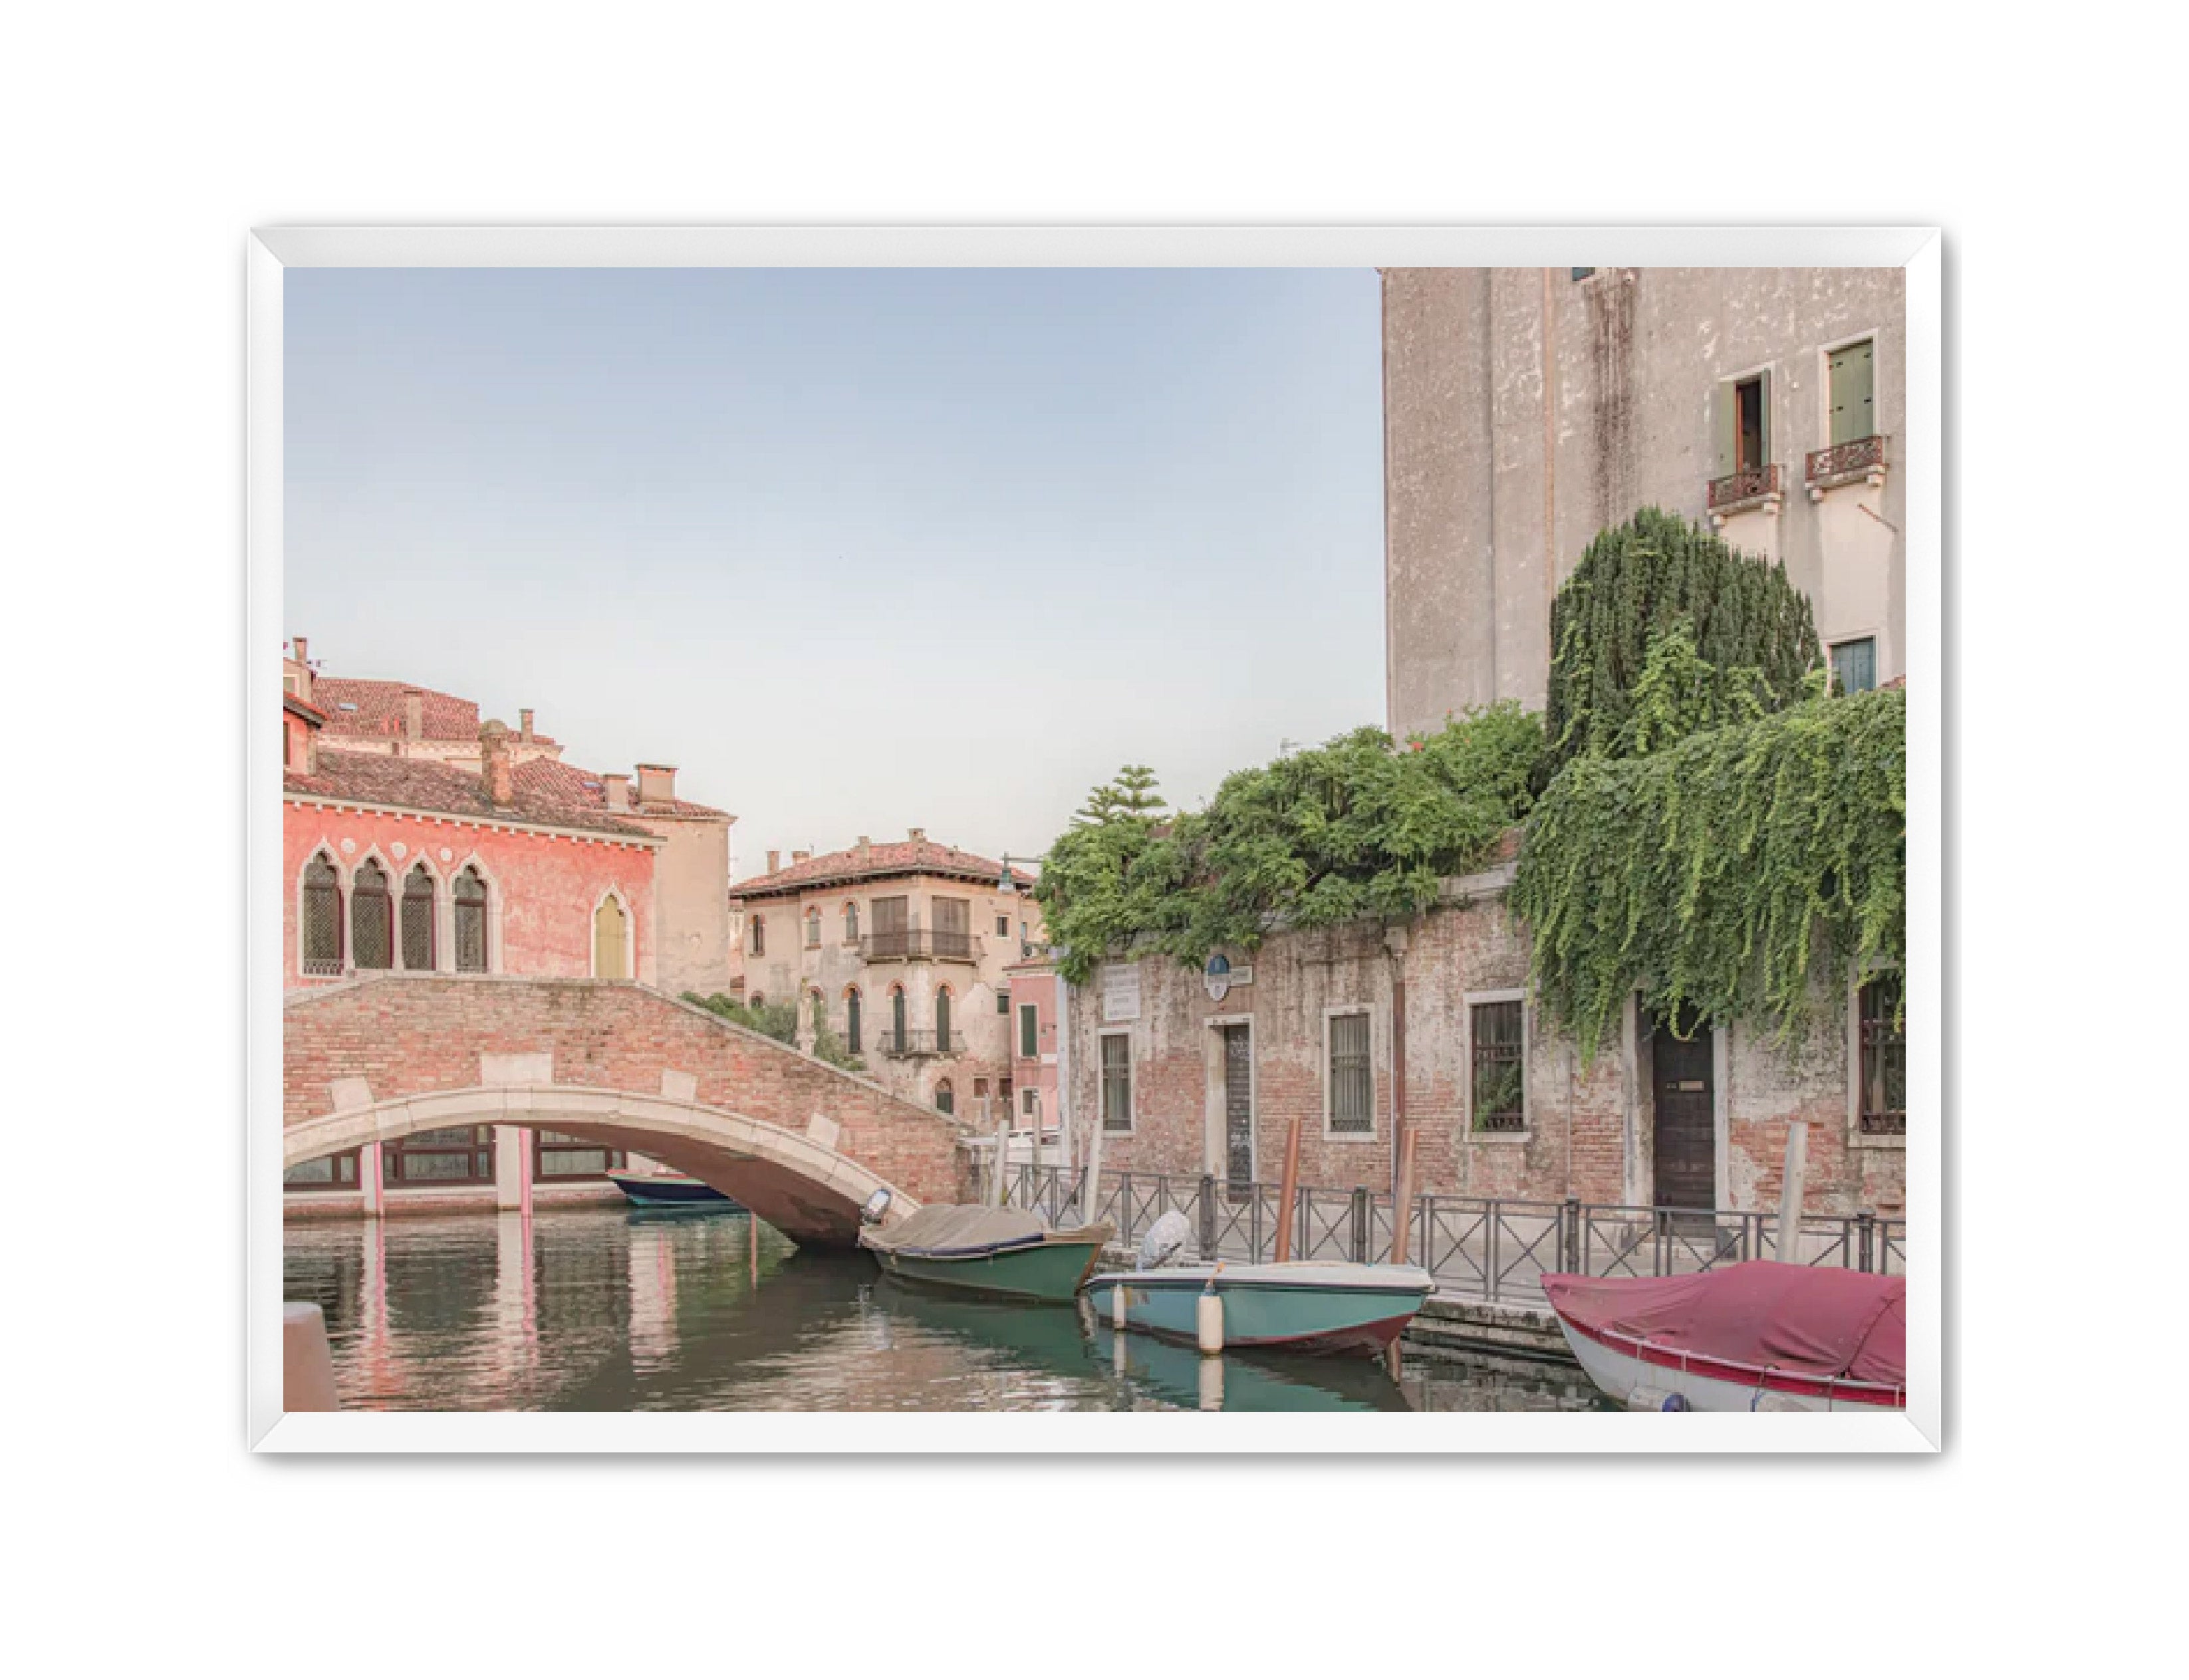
x: 856, y: 550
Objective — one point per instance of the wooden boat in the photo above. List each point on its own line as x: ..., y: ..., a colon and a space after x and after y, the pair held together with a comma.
x: 988, y: 1250
x: 1302, y: 1306
x: 669, y: 1190
x: 1757, y: 1335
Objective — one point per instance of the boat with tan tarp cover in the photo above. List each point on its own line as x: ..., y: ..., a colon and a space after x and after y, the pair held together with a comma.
x: 992, y: 1251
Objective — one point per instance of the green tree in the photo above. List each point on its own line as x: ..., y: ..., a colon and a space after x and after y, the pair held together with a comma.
x: 1663, y: 629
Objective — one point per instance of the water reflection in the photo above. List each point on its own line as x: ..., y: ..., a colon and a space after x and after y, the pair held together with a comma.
x: 607, y: 1310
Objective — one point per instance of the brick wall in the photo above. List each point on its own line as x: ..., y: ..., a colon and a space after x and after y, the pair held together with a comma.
x: 1588, y: 1129
x: 407, y: 1035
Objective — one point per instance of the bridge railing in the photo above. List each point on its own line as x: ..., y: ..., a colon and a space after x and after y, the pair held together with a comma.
x: 1495, y: 1248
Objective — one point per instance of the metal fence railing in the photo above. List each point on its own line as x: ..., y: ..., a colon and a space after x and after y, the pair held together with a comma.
x: 1492, y: 1248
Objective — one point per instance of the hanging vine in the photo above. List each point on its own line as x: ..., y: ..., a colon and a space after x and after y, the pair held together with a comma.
x: 1723, y: 873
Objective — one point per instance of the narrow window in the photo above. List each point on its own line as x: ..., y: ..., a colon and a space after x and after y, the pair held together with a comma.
x: 1351, y: 1089
x: 851, y: 1021
x: 758, y: 937
x: 1748, y: 421
x: 1029, y: 1031
x: 979, y: 1088
x: 897, y: 1020
x: 1884, y: 1058
x: 1744, y: 428
x: 1003, y: 927
x: 418, y: 919
x: 1500, y: 1095
x: 1116, y: 1083
x: 943, y: 1021
x: 322, y: 916
x: 851, y: 924
x: 371, y: 917
x: 470, y: 896
x: 945, y: 1098
x: 813, y: 928
x: 1029, y: 1102
x: 1854, y: 665
x: 1003, y: 1000
x: 1853, y: 396
x: 610, y: 943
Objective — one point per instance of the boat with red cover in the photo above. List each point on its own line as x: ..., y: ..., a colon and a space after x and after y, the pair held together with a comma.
x: 1753, y: 1337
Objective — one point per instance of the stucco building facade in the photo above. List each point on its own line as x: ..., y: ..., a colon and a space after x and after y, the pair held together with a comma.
x: 906, y: 945
x: 1526, y: 410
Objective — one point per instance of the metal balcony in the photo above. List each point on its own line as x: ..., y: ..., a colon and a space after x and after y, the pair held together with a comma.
x: 1759, y: 486
x: 920, y: 945
x: 921, y: 1041
x: 1862, y: 459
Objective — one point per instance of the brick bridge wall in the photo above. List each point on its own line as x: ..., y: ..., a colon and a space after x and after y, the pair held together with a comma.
x: 412, y: 1035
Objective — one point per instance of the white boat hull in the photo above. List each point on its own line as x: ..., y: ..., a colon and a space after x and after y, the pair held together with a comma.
x: 1647, y: 1386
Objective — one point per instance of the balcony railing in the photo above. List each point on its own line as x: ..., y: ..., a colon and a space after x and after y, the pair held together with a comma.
x: 921, y: 1041
x: 1741, y: 492
x: 1844, y: 463
x: 920, y: 944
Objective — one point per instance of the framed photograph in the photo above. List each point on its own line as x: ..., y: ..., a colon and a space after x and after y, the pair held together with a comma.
x: 1002, y: 838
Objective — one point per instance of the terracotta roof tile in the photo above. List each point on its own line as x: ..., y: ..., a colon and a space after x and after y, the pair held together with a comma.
x: 569, y: 785
x: 360, y: 705
x: 893, y: 858
x: 424, y: 784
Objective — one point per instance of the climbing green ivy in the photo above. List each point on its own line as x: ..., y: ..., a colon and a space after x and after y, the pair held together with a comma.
x: 1357, y: 827
x: 1662, y: 630
x: 1723, y: 873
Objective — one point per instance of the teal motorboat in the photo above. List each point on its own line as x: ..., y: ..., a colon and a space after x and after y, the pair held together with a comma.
x: 1300, y: 1306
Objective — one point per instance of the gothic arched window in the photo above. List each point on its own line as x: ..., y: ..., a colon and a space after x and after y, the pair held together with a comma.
x: 418, y: 919
x: 611, y: 945
x: 371, y: 917
x: 470, y: 896
x: 851, y: 1021
x: 321, y: 935
x: 943, y: 1021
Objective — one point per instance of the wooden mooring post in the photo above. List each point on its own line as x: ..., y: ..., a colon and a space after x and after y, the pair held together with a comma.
x: 1287, y: 1191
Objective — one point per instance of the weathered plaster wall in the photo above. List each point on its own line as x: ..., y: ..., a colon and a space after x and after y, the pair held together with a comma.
x: 692, y: 876
x: 1524, y: 411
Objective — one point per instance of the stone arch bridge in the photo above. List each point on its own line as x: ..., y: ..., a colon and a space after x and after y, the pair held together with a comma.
x: 802, y: 1144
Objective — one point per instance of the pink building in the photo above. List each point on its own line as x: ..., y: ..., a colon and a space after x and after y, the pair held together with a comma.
x: 406, y: 849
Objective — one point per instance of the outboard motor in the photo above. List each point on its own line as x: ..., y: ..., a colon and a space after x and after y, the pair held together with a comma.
x: 876, y: 1206
x: 1166, y: 1239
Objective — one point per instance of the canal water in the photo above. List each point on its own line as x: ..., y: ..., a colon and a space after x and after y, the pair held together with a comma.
x: 611, y: 1309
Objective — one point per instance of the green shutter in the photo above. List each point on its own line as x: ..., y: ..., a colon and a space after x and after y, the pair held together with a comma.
x: 1763, y: 402
x: 1852, y: 390
x: 1725, y: 418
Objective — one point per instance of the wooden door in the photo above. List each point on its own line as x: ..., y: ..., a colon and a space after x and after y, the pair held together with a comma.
x: 1685, y: 1124
x: 1238, y: 1106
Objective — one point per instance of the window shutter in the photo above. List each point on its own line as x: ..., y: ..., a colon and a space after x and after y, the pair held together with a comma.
x: 1726, y: 420
x: 1763, y: 402
x: 1852, y: 393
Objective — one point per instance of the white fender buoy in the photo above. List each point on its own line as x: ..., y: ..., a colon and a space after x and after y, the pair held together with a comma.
x: 1208, y: 1319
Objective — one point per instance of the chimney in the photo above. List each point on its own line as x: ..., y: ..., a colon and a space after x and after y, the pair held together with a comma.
x: 799, y: 857
x: 657, y: 784
x: 493, y: 762
x: 524, y: 723
x: 774, y: 862
x: 918, y: 833
x: 414, y: 714
x: 618, y: 791
x: 303, y: 649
